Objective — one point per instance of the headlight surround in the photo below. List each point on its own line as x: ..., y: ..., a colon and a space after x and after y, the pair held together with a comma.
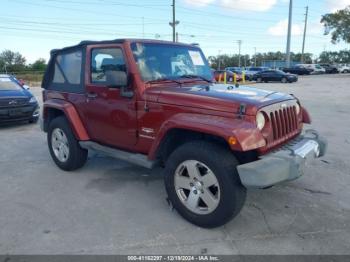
x: 297, y: 109
x: 260, y: 121
x: 33, y: 100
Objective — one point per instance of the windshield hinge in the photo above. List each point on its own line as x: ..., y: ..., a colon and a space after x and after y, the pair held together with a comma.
x: 242, y: 109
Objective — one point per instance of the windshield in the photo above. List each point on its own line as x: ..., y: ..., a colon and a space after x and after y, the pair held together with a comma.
x: 165, y: 61
x: 7, y: 84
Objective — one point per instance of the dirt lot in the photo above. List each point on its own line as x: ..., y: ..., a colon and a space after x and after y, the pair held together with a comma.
x: 111, y: 207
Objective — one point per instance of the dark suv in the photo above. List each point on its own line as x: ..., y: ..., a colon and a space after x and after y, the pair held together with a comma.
x: 16, y: 102
x: 330, y: 69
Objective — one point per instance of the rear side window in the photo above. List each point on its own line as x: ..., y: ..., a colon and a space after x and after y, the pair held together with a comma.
x: 67, y: 72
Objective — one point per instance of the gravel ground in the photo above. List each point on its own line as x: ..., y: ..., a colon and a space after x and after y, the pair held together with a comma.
x: 111, y: 207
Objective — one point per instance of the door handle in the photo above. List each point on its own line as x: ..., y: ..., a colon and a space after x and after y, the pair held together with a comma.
x: 91, y: 95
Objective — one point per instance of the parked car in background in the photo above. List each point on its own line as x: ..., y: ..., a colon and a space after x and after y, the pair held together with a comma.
x: 219, y: 76
x: 16, y: 103
x: 275, y: 76
x: 233, y: 68
x: 330, y: 69
x: 316, y: 68
x: 297, y: 70
x: 251, y: 71
x: 344, y: 69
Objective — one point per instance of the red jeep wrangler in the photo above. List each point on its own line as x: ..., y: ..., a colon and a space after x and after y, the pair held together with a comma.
x: 154, y: 103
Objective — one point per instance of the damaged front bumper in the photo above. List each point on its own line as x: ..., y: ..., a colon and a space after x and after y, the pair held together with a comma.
x: 286, y: 163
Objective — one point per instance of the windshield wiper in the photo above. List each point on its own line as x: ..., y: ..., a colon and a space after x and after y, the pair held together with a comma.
x: 196, y: 76
x: 163, y: 80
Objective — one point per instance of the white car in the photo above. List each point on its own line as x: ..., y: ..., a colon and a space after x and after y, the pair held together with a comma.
x: 344, y: 69
x: 317, y: 69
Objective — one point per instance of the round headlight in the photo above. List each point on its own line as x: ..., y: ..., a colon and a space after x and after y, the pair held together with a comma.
x: 260, y: 120
x: 297, y: 108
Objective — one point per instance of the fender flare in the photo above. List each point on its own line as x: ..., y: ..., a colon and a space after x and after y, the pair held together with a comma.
x: 71, y: 114
x: 306, y: 116
x: 247, y: 135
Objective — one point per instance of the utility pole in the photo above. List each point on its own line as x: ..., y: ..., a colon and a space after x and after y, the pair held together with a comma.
x: 239, y: 52
x: 174, y: 23
x: 255, y: 56
x: 289, y: 33
x: 219, y: 66
x: 305, y: 26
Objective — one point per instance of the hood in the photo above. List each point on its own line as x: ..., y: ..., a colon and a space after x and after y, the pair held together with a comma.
x: 15, y: 94
x: 217, y: 97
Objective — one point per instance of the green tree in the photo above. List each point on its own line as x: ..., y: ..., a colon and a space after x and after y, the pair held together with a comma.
x: 338, y: 25
x: 12, y: 61
x: 342, y: 57
x: 38, y: 65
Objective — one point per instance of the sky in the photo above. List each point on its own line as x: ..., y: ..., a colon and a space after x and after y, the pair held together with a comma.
x: 34, y: 27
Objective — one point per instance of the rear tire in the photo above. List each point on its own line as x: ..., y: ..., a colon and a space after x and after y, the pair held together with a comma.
x: 212, y: 196
x: 64, y: 147
x: 259, y: 80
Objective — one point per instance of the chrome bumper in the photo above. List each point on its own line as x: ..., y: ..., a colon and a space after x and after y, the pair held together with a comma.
x: 286, y: 163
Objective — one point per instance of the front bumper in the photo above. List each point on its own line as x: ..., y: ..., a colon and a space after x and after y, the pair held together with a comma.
x: 284, y: 164
x: 21, y: 113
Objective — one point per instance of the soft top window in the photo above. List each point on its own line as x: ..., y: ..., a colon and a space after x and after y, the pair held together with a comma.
x: 66, y: 70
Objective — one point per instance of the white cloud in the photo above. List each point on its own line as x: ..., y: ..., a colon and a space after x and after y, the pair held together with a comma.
x: 199, y: 3
x: 281, y: 29
x: 251, y: 5
x: 336, y: 5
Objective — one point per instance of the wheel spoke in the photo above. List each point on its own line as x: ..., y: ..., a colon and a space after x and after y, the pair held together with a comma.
x: 54, y: 143
x: 192, y: 169
x: 209, y: 179
x: 208, y: 198
x: 182, y: 182
x: 61, y: 155
x: 192, y: 200
x: 65, y: 150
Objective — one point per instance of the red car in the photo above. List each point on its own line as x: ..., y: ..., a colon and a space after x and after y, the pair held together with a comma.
x: 153, y: 103
x: 219, y: 76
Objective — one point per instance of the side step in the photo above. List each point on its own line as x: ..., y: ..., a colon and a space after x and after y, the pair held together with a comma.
x: 133, y: 158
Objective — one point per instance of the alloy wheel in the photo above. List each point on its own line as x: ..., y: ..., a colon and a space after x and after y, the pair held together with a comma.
x: 197, y: 187
x: 59, y: 143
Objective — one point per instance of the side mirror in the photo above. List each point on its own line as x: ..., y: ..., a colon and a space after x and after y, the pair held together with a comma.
x: 116, y: 79
x: 119, y: 79
x: 26, y: 87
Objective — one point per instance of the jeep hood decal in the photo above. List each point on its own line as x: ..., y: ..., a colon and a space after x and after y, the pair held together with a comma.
x: 220, y: 97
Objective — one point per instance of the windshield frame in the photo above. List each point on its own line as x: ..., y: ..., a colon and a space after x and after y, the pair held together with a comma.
x: 201, y: 77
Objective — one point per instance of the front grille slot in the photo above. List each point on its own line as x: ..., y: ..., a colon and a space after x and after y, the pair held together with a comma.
x: 283, y: 122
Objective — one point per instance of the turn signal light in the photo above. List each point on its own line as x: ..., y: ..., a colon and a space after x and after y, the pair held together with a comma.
x: 232, y: 140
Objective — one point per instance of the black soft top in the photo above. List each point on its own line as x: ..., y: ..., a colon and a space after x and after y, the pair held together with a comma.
x: 84, y: 43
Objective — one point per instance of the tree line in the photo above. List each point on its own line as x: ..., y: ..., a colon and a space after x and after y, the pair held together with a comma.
x: 14, y: 63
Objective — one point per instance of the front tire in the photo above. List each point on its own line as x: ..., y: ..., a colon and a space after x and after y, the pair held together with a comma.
x: 64, y: 147
x: 284, y: 80
x: 203, y: 184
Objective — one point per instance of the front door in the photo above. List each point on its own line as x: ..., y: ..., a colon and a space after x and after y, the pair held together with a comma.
x: 110, y: 118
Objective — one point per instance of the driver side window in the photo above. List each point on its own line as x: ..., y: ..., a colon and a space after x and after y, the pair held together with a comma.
x: 106, y: 63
